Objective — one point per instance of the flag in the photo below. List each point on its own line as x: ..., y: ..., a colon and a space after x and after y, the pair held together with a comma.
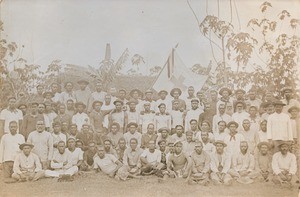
x: 176, y: 74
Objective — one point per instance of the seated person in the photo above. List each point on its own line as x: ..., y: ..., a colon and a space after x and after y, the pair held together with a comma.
x: 107, y: 163
x: 27, y: 165
x: 75, y: 154
x: 108, y: 147
x: 150, y: 160
x: 60, y: 163
x: 284, y: 166
x: 220, y: 165
x: 201, y: 165
x: 263, y: 162
x: 88, y: 157
x: 243, y: 165
x: 179, y: 163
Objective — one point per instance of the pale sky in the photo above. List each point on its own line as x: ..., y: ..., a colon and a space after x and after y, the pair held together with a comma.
x: 76, y: 31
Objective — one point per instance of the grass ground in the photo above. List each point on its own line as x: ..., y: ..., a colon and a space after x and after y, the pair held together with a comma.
x: 101, y: 185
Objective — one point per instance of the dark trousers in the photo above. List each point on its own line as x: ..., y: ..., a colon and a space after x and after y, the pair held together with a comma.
x: 7, y: 169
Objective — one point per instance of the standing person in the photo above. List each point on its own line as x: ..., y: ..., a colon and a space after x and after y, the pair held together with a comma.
x: 43, y: 143
x: 118, y: 115
x: 191, y: 95
x: 254, y: 118
x: 122, y: 95
x: 9, y: 147
x: 262, y: 133
x: 39, y: 97
x: 149, y: 99
x: 288, y: 99
x: 213, y: 100
x: 221, y: 133
x: 115, y: 134
x: 146, y: 117
x: 234, y: 138
x: 132, y: 114
x: 55, y: 90
x: 80, y: 118
x: 70, y: 107
x: 136, y: 94
x: 97, y: 119
x: 252, y: 99
x: 220, y: 165
x: 220, y: 116
x: 207, y: 115
x: 279, y: 127
x: 149, y: 136
x: 225, y: 97
x: 27, y: 165
x: 208, y: 147
x: 295, y: 121
x: 162, y: 119
x: 11, y: 113
x: 68, y: 93
x: 98, y: 95
x: 132, y: 133
x: 176, y: 93
x: 177, y: 115
x: 163, y: 99
x: 240, y: 114
x: 193, y: 113
x: 84, y: 93
x: 62, y: 116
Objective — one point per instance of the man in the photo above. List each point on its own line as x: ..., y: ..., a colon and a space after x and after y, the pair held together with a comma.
x: 132, y: 114
x: 243, y: 165
x: 107, y: 163
x: 176, y: 93
x: 163, y: 99
x: 121, y: 147
x: 70, y: 107
x: 27, y: 165
x: 131, y: 158
x: 194, y: 128
x: 254, y: 118
x: 55, y: 90
x: 84, y: 93
x: 118, y: 115
x: 193, y: 113
x: 239, y: 95
x: 86, y: 135
x: 163, y: 134
x: 220, y: 165
x: 234, y: 139
x: 122, y: 95
x: 179, y: 164
x: 208, y: 147
x: 75, y: 154
x: 73, y: 131
x: 263, y: 161
x: 213, y: 95
x: 107, y: 108
x: 132, y: 133
x: 80, y: 117
x: 262, y: 133
x: 179, y: 135
x: 43, y: 143
x: 146, y: 117
x: 221, y: 132
x: 225, y: 97
x: 11, y: 113
x: 295, y: 121
x: 149, y: 99
x: 62, y: 116
x: 149, y: 136
x: 177, y: 115
x: 108, y: 147
x: 39, y: 93
x: 68, y: 93
x: 201, y: 165
x: 191, y: 95
x: 57, y: 135
x: 49, y: 113
x: 284, y: 165
x: 189, y: 143
x: 88, y: 157
x: 279, y: 127
x: 115, y: 134
x: 9, y: 147
x: 288, y: 99
x: 97, y: 120
x: 240, y: 114
x: 207, y: 115
x: 150, y: 160
x: 250, y: 135
x: 60, y: 164
x: 98, y: 95
x: 220, y: 116
x: 252, y: 98
x: 23, y: 107
x: 269, y: 109
x: 162, y: 119
x: 136, y: 94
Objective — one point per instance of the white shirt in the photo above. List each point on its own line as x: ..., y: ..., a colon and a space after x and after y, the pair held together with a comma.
x: 233, y: 145
x: 128, y: 136
x: 9, y: 146
x: 192, y: 114
x: 262, y: 136
x: 80, y: 119
x: 177, y: 118
x: 145, y: 119
x: 217, y: 118
x: 152, y: 158
x: 287, y: 162
x: 279, y: 127
x: 75, y: 156
x: 240, y: 117
x: 107, y: 164
x: 9, y: 116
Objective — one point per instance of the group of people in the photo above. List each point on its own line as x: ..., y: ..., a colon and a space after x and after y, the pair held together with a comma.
x: 218, y: 136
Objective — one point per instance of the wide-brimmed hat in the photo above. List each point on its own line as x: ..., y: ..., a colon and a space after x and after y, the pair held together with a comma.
x: 80, y: 103
x: 21, y: 146
x: 165, y: 91
x: 286, y: 88
x: 132, y: 123
x: 82, y: 81
x: 174, y: 90
x: 136, y: 90
x: 240, y: 102
x: 161, y: 105
x: 118, y: 101
x: 94, y: 103
x: 232, y: 122
x: 163, y: 128
x: 294, y: 108
x: 132, y: 101
x: 263, y: 143
x: 240, y: 90
x: 195, y: 100
x: 149, y: 91
x: 161, y: 141
x: 225, y: 89
x: 278, y: 102
x: 220, y: 142
x: 266, y: 104
x: 178, y: 142
x: 122, y: 90
x: 284, y: 142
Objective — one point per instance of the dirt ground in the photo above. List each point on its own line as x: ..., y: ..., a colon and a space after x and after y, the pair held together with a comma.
x: 101, y: 185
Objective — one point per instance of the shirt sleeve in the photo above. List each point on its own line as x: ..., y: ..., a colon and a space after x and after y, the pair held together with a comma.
x: 227, y: 163
x: 50, y: 147
x: 275, y: 165
x: 38, y: 165
x: 293, y: 166
x: 16, y: 166
x: 213, y: 165
x: 113, y: 158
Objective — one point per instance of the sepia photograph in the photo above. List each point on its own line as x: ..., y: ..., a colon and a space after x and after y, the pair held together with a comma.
x: 143, y: 98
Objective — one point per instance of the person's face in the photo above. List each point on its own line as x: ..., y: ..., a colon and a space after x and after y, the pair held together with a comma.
x: 207, y: 107
x: 151, y: 145
x: 54, y: 88
x: 114, y: 129
x: 194, y: 125
x: 191, y: 91
x: 284, y: 149
x: 40, y: 90
x: 163, y: 95
x: 107, y: 99
x: 288, y: 94
x: 204, y: 136
x: 92, y: 146
x: 178, y: 148
x: 252, y: 111
x: 162, y: 109
x: 252, y: 95
x: 263, y: 126
x: 85, y: 128
x: 162, y: 146
x: 268, y: 96
x: 229, y: 107
x: 61, y: 148
x: 56, y: 129
x: 232, y: 128
x: 132, y: 106
x: 107, y: 145
x: 264, y: 149
x: 118, y: 106
x: 73, y: 130
x: 225, y: 94
x: 239, y: 95
x: 122, y: 94
x: 122, y: 144
x: 82, y: 86
x: 219, y: 148
x: 194, y: 105
x: 213, y: 96
x: 150, y: 129
x: 101, y: 152
x: 148, y: 95
x: 133, y: 144
x: 176, y: 94
x: 26, y: 150
x: 41, y: 108
x: 198, y: 149
x: 70, y: 104
x: 132, y: 129
x: 62, y: 109
x: 270, y: 109
x: 40, y: 126
x: 69, y: 87
x: 239, y: 107
x: 147, y: 107
x: 179, y: 131
x: 189, y: 137
x: 246, y: 125
x: 12, y: 103
x: 23, y: 108
x: 48, y: 107
x: 135, y: 95
x: 78, y: 144
x: 80, y: 108
x: 164, y: 134
x: 294, y: 113
x: 171, y: 148
x: 243, y: 147
x: 71, y: 144
x: 176, y: 105
x: 222, y: 126
x: 97, y: 106
x: 34, y: 108
x: 278, y: 108
x: 13, y: 127
x: 205, y: 126
x: 222, y: 109
x: 113, y: 91
x: 64, y: 126
x: 98, y: 87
